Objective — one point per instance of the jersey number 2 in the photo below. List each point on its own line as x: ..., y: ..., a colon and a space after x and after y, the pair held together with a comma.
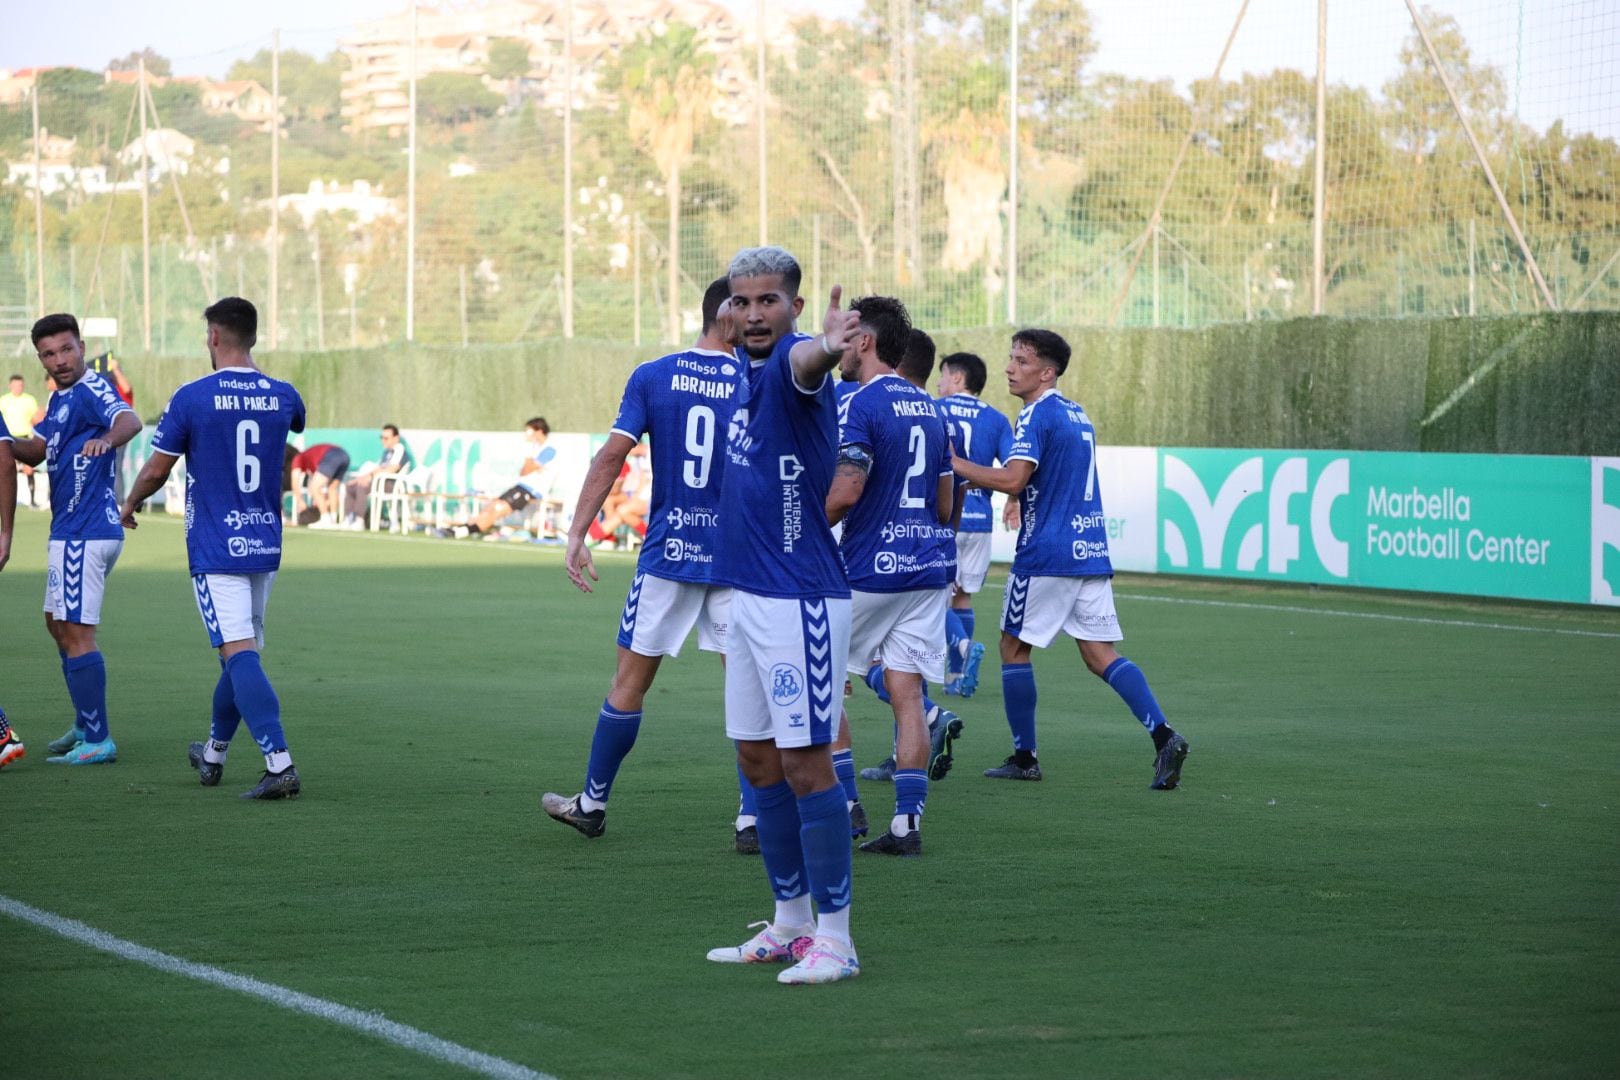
x: 918, y: 443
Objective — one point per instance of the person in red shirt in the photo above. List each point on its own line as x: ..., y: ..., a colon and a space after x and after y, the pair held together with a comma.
x: 317, y: 482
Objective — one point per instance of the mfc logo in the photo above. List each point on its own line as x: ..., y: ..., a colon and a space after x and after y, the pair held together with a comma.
x: 1273, y: 534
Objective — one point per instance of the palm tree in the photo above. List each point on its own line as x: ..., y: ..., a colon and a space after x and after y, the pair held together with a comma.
x: 667, y: 84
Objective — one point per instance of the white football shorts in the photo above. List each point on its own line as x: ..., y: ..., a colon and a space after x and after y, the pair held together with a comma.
x: 76, y: 578
x: 904, y: 631
x: 232, y: 605
x: 972, y: 560
x: 659, y: 613
x: 1036, y: 607
x: 784, y: 668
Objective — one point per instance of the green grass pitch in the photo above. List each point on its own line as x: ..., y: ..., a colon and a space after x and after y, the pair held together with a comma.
x: 1394, y: 852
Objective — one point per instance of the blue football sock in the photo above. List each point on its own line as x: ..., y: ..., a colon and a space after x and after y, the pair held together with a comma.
x: 780, y: 844
x: 874, y: 679
x: 824, y: 839
x: 910, y: 792
x: 747, y: 805
x: 844, y: 766
x: 928, y: 703
x: 226, y: 715
x: 256, y: 699
x: 615, y: 735
x: 1018, y: 696
x: 953, y: 641
x: 87, y: 685
x: 967, y: 616
x: 1129, y: 683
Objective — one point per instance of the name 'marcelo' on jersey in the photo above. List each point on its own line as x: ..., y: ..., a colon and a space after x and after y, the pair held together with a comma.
x: 84, y: 502
x: 984, y: 437
x: 231, y: 427
x: 1064, y: 531
x: 781, y: 449
x: 683, y: 403
x: 893, y: 540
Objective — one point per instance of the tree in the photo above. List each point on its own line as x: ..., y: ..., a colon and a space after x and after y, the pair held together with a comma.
x: 667, y: 85
x: 454, y: 97
x: 508, y: 58
x: 311, y: 88
x: 155, y: 64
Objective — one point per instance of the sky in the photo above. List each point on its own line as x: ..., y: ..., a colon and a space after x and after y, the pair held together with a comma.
x: 1565, y: 61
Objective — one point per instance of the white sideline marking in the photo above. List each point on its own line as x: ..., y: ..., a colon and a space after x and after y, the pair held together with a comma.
x: 1294, y: 609
x: 367, y: 1023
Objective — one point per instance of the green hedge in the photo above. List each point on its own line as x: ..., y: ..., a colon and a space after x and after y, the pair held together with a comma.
x: 1545, y: 384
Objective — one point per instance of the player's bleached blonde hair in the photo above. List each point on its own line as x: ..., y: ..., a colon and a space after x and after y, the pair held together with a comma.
x: 761, y: 261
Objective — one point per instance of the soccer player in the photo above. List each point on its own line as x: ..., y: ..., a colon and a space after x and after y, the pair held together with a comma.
x: 983, y: 437
x: 683, y: 403
x: 894, y: 491
x: 231, y: 426
x: 1061, y: 577
x: 789, y: 613
x: 11, y: 747
x: 84, y: 423
x: 535, y: 478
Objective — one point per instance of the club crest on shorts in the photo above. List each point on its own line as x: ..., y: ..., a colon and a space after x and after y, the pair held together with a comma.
x: 787, y: 684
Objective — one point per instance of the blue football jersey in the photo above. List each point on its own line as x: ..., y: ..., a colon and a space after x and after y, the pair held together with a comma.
x: 781, y: 449
x: 231, y: 426
x: 84, y: 503
x: 984, y: 437
x: 683, y: 403
x: 893, y: 538
x: 5, y: 433
x: 1064, y: 531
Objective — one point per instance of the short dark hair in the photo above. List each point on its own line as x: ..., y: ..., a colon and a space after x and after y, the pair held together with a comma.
x: 1047, y: 345
x: 919, y: 359
x: 970, y: 366
x: 391, y: 429
x: 718, y: 292
x: 16, y: 378
x: 238, y: 318
x: 538, y: 423
x: 51, y: 325
x: 888, y: 320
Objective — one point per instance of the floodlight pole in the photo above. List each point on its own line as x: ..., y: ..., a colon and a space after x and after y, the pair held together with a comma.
x: 410, y: 191
x: 275, y: 189
x: 1012, y: 170
x: 759, y: 115
x: 1318, y: 218
x: 1479, y: 154
x: 1175, y: 168
x: 39, y: 213
x: 146, y: 219
x: 568, y: 171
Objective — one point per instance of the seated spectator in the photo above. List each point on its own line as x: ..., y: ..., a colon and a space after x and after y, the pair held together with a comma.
x: 317, y: 484
x: 534, y: 481
x: 396, y: 459
x: 628, y: 503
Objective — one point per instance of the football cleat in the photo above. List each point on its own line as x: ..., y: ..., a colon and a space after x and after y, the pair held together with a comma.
x: 828, y: 960
x: 208, y: 772
x: 857, y: 821
x: 74, y: 736
x: 883, y: 770
x: 769, y: 946
x: 908, y: 846
x: 11, y: 750
x: 95, y: 753
x: 281, y: 785
x: 747, y: 840
x: 566, y: 809
x: 969, y: 682
x: 941, y: 737
x: 1167, y: 765
x: 1011, y: 770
